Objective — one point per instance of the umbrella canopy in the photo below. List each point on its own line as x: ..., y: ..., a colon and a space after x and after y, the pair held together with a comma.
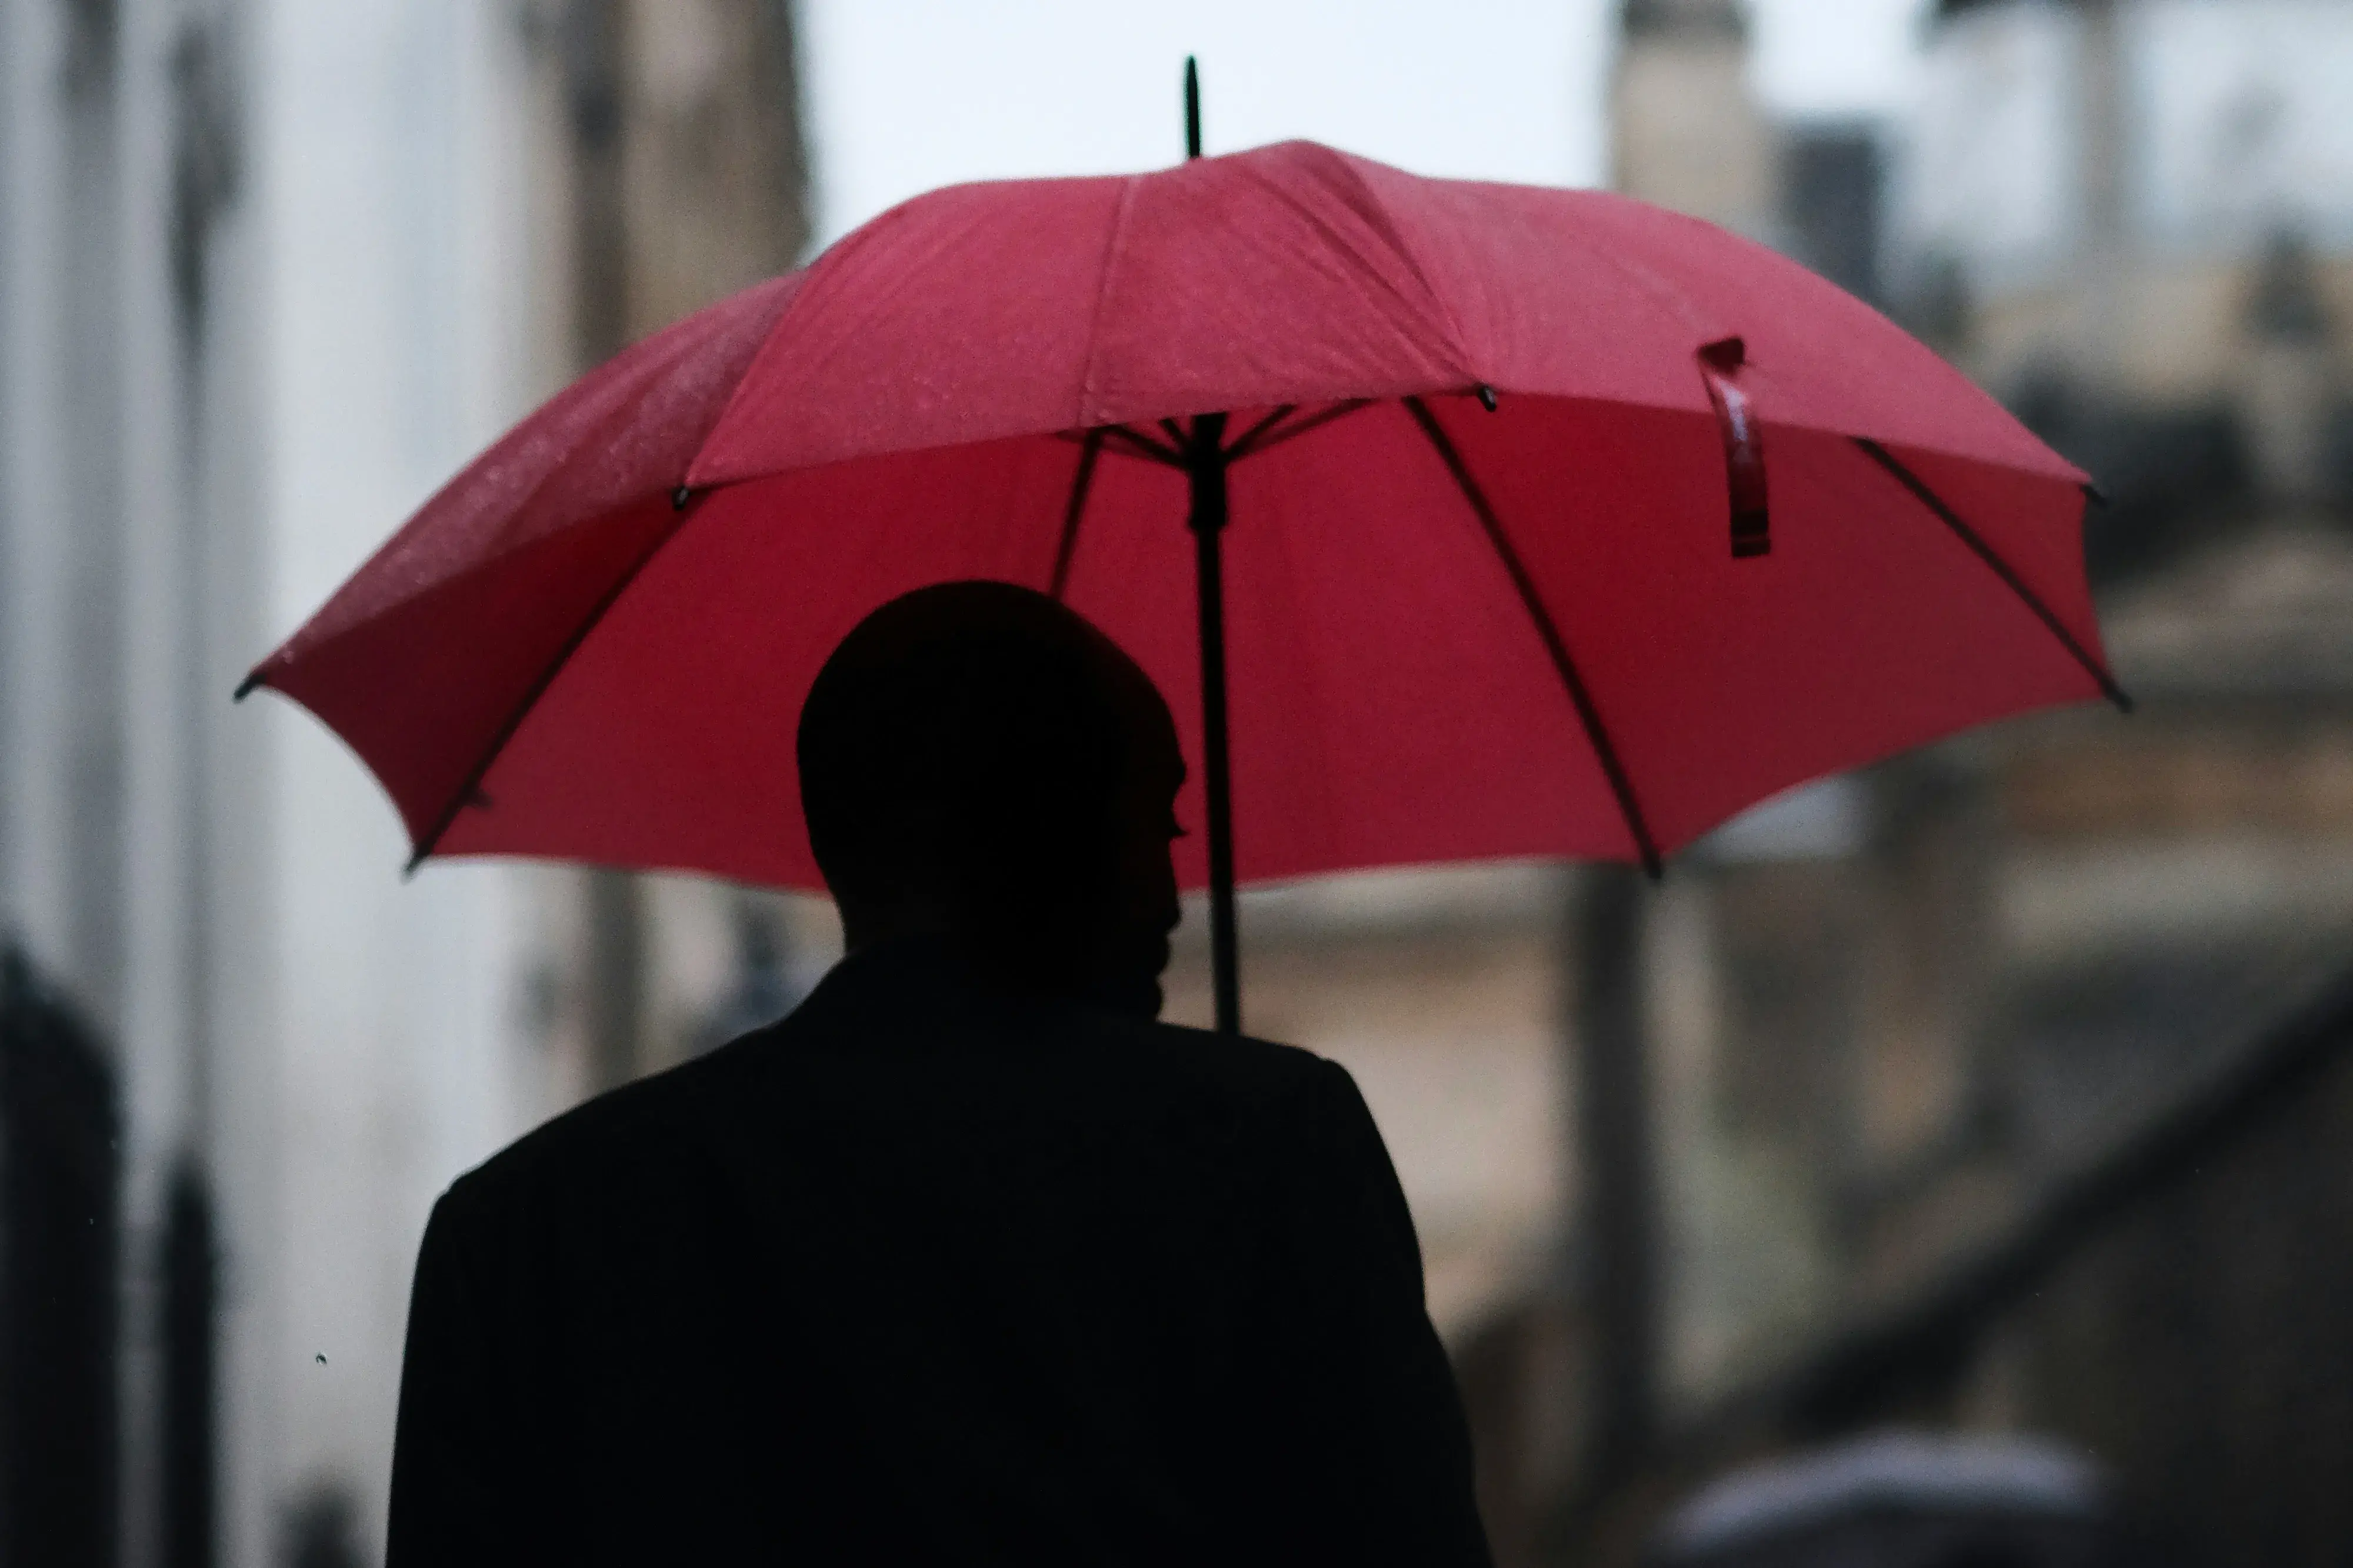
x: 1724, y: 530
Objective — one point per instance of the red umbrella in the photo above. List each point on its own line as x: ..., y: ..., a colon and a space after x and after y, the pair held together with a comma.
x: 1501, y: 577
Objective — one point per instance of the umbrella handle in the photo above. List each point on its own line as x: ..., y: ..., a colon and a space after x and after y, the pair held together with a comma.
x: 1204, y: 465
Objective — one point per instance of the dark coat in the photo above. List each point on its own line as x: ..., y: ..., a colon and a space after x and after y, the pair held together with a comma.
x: 925, y: 1275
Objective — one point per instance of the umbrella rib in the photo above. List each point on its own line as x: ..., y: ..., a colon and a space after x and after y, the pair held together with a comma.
x: 1238, y: 447
x: 1076, y: 508
x: 1612, y: 767
x: 1138, y: 444
x: 2001, y: 568
x: 1253, y: 443
x: 470, y: 792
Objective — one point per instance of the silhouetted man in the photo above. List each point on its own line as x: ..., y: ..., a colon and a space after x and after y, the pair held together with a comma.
x: 967, y: 1260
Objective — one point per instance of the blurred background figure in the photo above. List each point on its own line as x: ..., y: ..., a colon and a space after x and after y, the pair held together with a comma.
x: 1998, y: 1089
x: 1898, y: 1500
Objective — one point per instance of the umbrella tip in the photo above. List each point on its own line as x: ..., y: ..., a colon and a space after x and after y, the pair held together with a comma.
x: 1486, y: 397
x: 246, y: 688
x: 1192, y: 108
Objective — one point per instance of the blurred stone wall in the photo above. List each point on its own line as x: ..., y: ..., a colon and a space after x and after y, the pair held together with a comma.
x: 673, y: 172
x: 2200, y: 1348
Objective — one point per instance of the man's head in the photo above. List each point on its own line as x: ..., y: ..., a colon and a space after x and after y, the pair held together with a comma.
x: 979, y: 763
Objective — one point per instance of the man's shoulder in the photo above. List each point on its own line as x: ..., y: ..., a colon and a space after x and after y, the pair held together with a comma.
x: 616, y: 1135
x: 1241, y: 1062
x: 1180, y: 1069
x: 660, y: 1127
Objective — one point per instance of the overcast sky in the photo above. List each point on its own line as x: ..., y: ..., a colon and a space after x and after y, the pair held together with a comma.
x: 908, y: 94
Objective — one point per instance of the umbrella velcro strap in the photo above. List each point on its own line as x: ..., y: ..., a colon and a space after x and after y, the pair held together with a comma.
x: 1744, y: 447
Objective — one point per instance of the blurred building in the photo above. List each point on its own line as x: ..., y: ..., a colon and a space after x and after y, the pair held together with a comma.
x: 1901, y: 1023
x: 2134, y: 218
x: 669, y: 172
x: 268, y: 274
x: 1685, y: 129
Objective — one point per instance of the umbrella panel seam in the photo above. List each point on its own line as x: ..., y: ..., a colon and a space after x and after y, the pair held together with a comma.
x: 1384, y: 223
x: 470, y: 792
x: 1103, y: 294
x: 390, y: 554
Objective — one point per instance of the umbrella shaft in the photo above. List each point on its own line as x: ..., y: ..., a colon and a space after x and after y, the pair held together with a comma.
x: 1207, y: 467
